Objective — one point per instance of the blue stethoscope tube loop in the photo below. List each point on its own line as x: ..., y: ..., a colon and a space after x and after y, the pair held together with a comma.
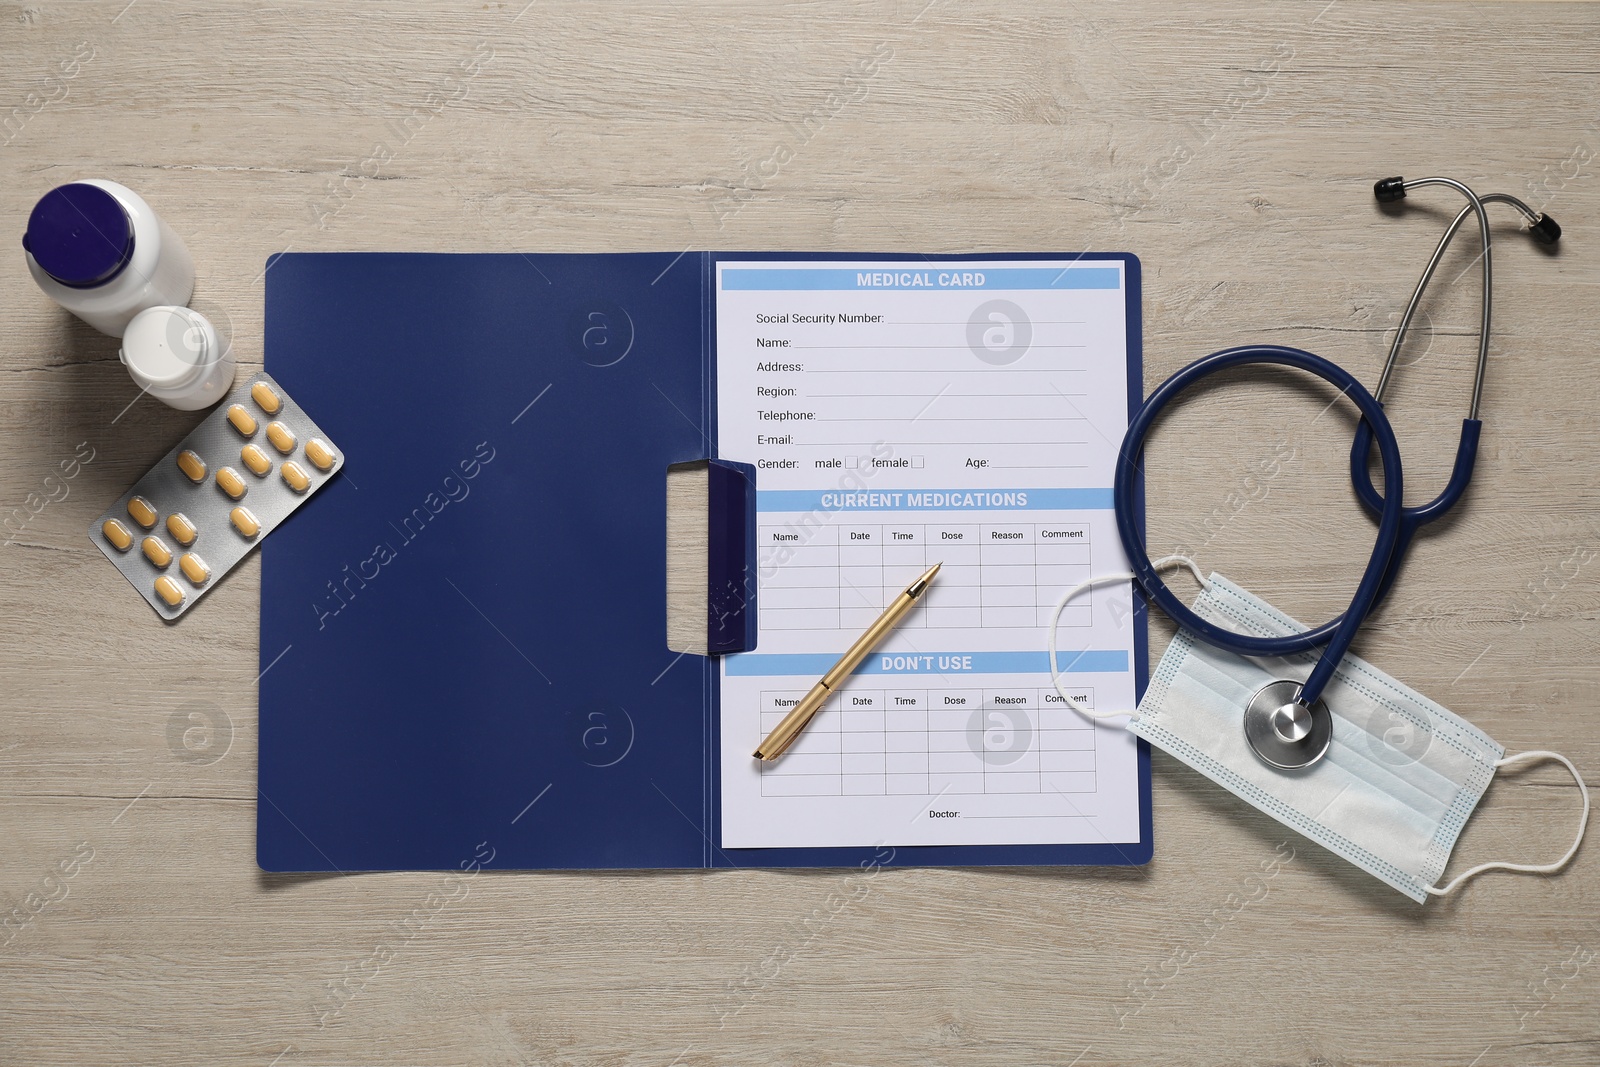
x: 1337, y: 633
x: 1412, y: 519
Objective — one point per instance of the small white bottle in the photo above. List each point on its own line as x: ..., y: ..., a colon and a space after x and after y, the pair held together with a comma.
x: 177, y: 356
x: 97, y: 249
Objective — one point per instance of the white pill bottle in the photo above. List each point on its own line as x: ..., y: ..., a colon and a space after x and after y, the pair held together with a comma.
x: 179, y: 356
x: 97, y: 249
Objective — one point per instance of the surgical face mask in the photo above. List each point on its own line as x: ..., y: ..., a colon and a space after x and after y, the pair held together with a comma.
x: 1401, y: 776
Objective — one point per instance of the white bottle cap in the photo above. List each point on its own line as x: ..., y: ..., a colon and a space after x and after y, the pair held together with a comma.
x: 168, y: 347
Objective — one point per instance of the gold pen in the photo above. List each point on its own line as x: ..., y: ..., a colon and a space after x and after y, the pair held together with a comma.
x: 785, y: 732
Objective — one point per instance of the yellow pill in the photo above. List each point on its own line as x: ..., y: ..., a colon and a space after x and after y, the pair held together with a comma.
x: 265, y: 398
x: 229, y: 482
x: 242, y: 420
x: 194, y: 568
x: 156, y: 552
x: 296, y: 476
x: 318, y: 452
x: 256, y: 460
x: 192, y: 466
x: 181, y: 529
x: 281, y: 436
x: 142, y: 512
x: 168, y: 590
x: 117, y: 534
x: 247, y: 524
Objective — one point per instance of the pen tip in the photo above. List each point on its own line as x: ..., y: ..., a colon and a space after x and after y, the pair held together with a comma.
x: 920, y: 586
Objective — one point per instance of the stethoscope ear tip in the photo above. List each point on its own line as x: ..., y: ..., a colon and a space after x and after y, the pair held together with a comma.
x: 1545, y: 229
x: 1388, y: 190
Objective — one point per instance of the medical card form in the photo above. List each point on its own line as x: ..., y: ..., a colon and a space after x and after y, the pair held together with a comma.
x: 904, y: 413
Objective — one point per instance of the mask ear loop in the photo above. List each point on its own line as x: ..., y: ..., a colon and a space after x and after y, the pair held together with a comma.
x: 1089, y: 583
x: 1530, y: 868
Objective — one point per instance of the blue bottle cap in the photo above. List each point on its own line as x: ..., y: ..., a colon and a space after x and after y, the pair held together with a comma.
x: 80, y: 235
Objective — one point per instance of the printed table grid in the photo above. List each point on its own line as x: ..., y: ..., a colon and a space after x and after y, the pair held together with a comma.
x: 996, y: 575
x: 945, y: 742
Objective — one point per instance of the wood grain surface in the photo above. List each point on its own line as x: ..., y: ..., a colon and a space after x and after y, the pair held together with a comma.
x: 1232, y: 146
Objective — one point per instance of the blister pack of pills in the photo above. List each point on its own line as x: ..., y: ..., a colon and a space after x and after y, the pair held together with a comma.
x: 212, y: 499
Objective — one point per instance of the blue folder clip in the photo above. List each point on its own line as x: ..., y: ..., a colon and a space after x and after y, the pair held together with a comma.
x: 731, y: 551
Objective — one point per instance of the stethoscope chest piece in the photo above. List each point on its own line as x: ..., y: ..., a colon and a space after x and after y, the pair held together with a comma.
x: 1284, y: 732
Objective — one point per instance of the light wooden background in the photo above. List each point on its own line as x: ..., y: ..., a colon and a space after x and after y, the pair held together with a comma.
x: 1232, y: 146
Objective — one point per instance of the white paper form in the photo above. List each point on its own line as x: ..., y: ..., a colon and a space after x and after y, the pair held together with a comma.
x: 903, y: 414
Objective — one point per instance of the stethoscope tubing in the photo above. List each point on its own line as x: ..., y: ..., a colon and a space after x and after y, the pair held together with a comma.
x: 1413, y: 519
x: 1393, y: 531
x: 1397, y: 524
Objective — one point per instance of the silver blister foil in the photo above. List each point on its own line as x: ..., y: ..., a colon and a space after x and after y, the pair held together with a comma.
x: 170, y: 491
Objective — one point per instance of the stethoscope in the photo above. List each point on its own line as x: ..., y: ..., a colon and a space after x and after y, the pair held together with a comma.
x: 1286, y: 722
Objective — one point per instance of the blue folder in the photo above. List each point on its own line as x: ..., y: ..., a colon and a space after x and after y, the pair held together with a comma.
x: 463, y: 639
